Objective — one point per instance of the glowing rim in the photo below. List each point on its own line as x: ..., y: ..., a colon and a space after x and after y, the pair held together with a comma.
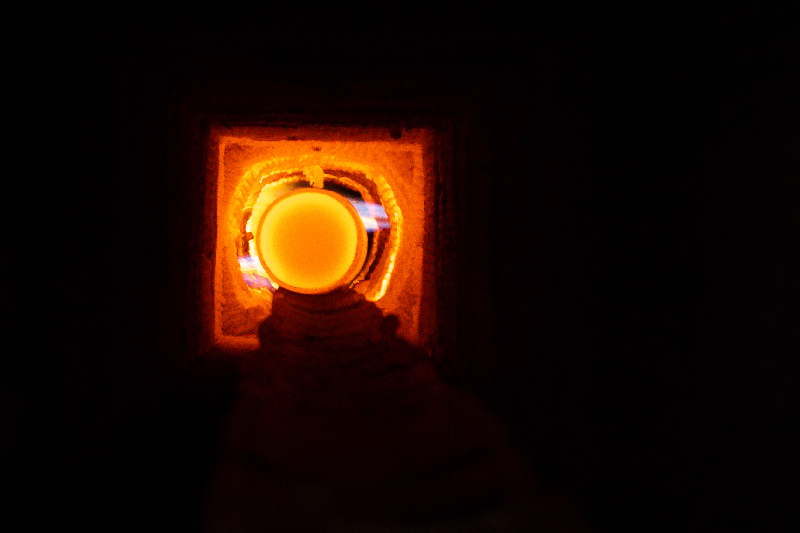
x: 355, y: 265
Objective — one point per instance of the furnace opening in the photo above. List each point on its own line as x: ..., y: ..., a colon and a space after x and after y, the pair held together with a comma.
x: 282, y: 205
x: 386, y: 186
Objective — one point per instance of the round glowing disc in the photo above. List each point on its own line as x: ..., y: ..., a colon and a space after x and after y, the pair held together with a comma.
x: 311, y: 241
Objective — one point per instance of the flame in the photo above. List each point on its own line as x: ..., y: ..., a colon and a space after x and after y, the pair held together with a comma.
x: 252, y: 274
x: 373, y: 216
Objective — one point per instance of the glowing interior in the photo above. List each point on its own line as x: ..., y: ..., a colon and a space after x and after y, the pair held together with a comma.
x: 311, y: 241
x: 391, y: 185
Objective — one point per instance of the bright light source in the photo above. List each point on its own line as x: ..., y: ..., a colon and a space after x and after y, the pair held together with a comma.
x: 391, y: 183
x: 311, y: 241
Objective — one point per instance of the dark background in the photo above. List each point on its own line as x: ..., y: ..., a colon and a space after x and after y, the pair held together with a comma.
x: 628, y: 235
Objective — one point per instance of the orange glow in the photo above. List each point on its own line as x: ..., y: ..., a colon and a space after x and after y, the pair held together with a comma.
x: 311, y: 241
x: 249, y: 169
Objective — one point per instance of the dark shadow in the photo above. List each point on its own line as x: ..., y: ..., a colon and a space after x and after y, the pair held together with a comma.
x: 339, y: 424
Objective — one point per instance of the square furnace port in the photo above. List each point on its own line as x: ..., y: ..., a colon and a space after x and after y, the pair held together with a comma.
x: 393, y: 182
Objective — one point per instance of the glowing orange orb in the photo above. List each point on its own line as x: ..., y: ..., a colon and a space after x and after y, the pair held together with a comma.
x: 311, y: 241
